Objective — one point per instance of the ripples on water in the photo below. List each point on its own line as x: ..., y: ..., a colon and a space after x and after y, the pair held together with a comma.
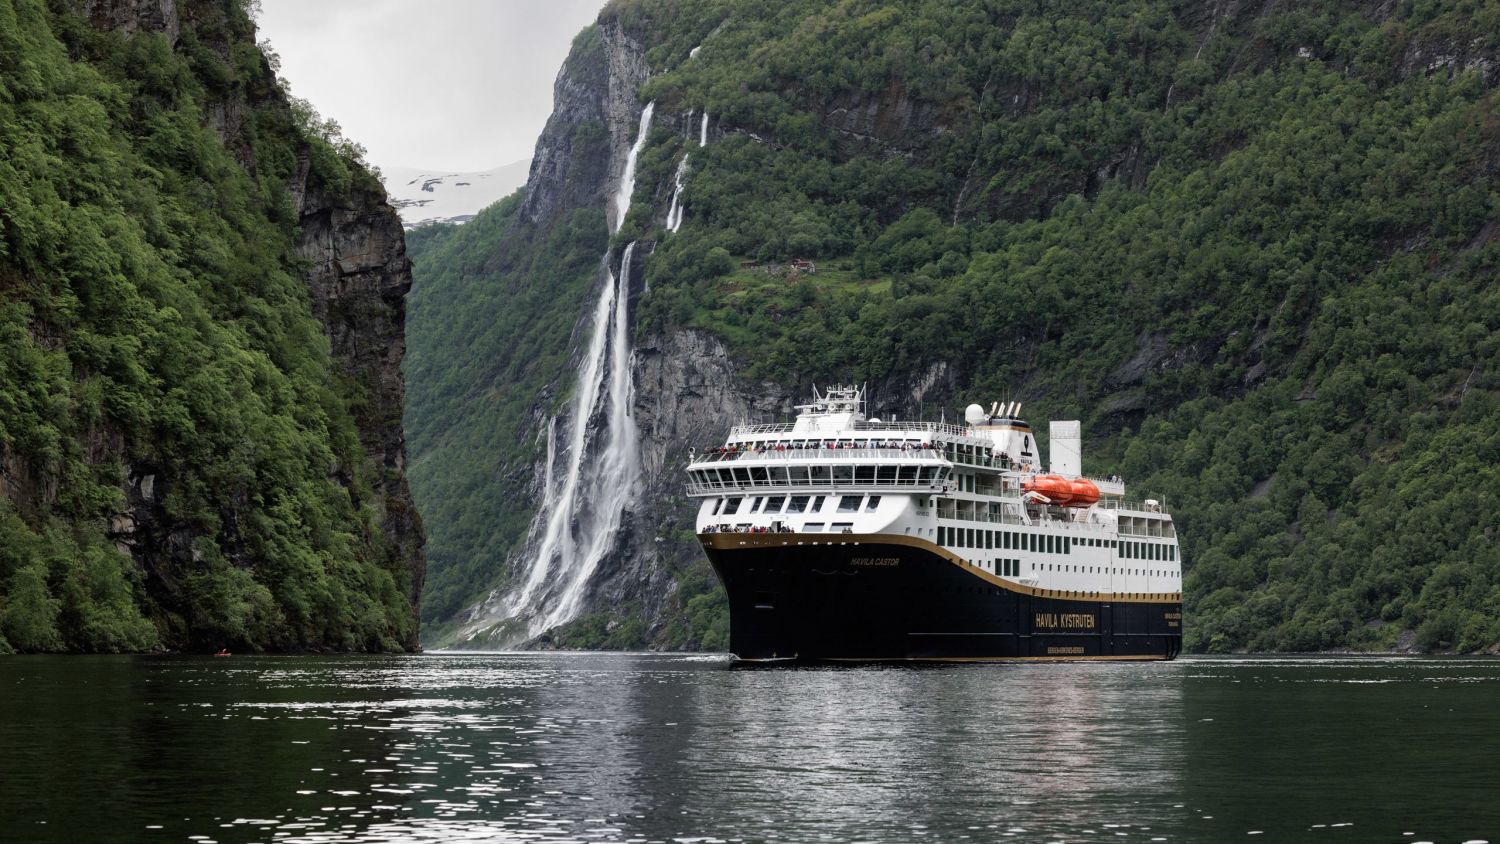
x: 595, y: 747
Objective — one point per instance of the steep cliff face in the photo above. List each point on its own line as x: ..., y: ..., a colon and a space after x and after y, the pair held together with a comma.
x: 1246, y: 243
x: 358, y: 279
x: 201, y: 351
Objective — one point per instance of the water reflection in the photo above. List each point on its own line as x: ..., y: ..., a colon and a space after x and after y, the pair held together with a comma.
x: 658, y: 748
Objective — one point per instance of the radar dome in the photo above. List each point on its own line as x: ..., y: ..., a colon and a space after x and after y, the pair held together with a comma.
x: 975, y: 414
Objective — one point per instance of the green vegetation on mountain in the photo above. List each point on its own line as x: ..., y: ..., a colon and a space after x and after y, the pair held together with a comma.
x: 1254, y: 248
x: 155, y: 322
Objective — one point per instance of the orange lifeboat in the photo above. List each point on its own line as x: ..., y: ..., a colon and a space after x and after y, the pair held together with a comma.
x: 1063, y: 492
x: 1085, y: 493
x: 1056, y: 488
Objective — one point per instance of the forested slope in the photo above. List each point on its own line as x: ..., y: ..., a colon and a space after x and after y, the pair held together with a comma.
x: 1254, y: 246
x: 200, y: 328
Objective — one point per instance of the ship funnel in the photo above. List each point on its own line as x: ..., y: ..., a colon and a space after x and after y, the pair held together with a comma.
x: 1067, y: 448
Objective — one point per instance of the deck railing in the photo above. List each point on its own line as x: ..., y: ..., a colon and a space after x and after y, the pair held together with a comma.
x: 816, y: 485
x: 804, y: 454
x: 787, y: 428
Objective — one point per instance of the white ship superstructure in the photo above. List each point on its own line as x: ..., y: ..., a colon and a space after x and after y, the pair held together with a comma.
x: 978, y: 491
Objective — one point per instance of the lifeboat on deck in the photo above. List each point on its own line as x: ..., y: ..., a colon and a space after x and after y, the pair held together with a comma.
x: 1063, y: 492
x: 1085, y: 493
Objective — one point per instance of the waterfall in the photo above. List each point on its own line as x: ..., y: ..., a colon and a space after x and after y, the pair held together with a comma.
x: 627, y: 178
x: 584, y: 505
x: 675, y: 210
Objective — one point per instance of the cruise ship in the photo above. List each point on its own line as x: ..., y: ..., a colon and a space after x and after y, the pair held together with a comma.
x: 840, y: 537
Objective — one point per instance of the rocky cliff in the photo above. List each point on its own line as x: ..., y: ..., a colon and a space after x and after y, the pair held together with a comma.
x: 1184, y: 224
x: 211, y: 288
x: 358, y: 278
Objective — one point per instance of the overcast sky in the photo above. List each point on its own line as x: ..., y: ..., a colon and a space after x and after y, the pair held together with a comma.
x: 438, y: 84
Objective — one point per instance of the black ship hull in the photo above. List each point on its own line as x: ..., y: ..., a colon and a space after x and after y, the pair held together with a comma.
x: 875, y: 597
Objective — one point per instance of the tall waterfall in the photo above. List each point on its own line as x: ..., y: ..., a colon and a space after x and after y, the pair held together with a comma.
x: 583, y: 505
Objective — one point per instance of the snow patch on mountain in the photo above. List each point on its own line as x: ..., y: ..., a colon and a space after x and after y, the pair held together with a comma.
x: 436, y: 196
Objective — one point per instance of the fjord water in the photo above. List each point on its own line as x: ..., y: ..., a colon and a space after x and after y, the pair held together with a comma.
x: 554, y: 747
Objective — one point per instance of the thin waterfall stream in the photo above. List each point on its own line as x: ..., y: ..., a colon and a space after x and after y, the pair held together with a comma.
x: 676, y: 209
x: 583, y: 505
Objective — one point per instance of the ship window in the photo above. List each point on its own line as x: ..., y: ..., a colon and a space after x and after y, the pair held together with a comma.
x: 797, y: 475
x: 1032, y: 543
x: 1172, y: 552
x: 813, y: 527
x: 841, y: 527
x: 1047, y: 544
x: 741, y: 476
x: 886, y: 474
x: 842, y: 475
x: 778, y: 475
x: 819, y: 474
x: 972, y: 543
x: 731, y: 507
x: 798, y: 504
x: 718, y: 504
x: 872, y: 503
x: 1005, y: 540
x: 849, y: 504
x: 864, y: 474
x: 816, y: 505
x: 989, y: 539
x: 908, y: 474
x: 758, y: 474
x: 774, y: 503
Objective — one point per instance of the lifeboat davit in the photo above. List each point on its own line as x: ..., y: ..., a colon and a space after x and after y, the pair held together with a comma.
x: 1063, y: 492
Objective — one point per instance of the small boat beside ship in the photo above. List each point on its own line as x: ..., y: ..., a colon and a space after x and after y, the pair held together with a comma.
x: 839, y: 537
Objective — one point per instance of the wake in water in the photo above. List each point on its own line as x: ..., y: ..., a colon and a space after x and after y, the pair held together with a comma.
x: 583, y: 505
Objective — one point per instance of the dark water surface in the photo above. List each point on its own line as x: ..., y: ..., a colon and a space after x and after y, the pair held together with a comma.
x: 598, y: 747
